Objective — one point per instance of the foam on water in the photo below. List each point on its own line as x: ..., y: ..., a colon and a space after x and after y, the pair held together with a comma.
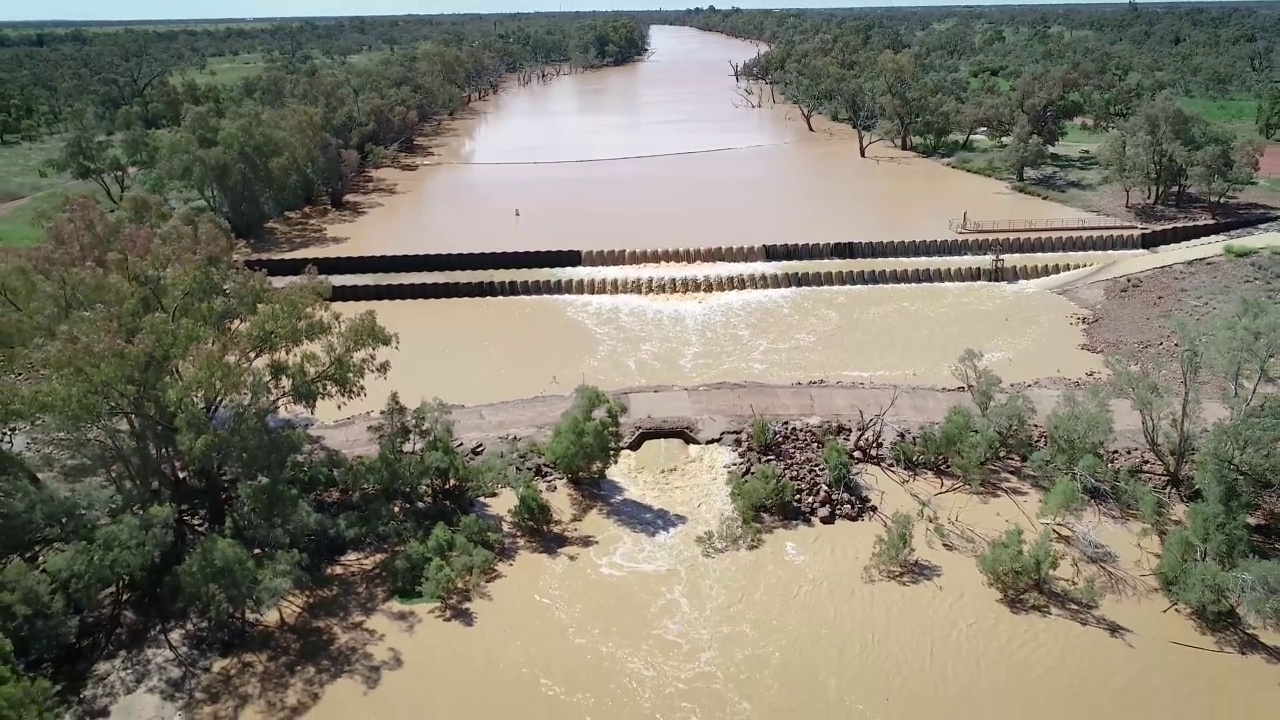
x: 681, y: 647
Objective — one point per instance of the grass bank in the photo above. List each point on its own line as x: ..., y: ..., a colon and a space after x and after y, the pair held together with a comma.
x: 1071, y: 174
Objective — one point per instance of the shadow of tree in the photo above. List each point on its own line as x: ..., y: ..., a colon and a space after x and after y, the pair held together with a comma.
x: 1233, y: 638
x: 919, y: 571
x: 284, y: 668
x: 609, y: 498
x: 460, y: 613
x: 1055, y: 603
x: 556, y: 541
x: 1005, y: 478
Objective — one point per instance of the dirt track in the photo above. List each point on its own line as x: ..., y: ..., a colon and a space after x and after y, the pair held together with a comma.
x: 716, y: 410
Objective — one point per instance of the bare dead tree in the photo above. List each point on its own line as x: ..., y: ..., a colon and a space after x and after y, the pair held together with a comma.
x: 748, y: 97
x: 867, y: 436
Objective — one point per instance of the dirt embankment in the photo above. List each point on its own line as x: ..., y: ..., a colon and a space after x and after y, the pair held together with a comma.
x: 1137, y: 315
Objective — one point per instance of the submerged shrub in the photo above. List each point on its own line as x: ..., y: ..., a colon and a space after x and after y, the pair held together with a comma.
x: 1014, y: 570
x: 893, y: 553
x: 1258, y: 585
x: 532, y: 513
x: 731, y: 534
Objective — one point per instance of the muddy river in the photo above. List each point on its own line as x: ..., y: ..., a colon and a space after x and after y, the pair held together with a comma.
x: 487, y: 350
x: 629, y: 620
x: 662, y: 153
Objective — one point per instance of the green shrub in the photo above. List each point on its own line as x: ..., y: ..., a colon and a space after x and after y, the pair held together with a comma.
x: 1077, y: 430
x: 1136, y: 497
x: 1062, y: 500
x: 1197, y: 559
x: 448, y: 563
x: 969, y: 442
x: 762, y: 434
x: 893, y: 553
x: 1013, y: 569
x: 762, y: 492
x: 588, y: 438
x: 489, y: 474
x: 480, y: 532
x: 532, y: 513
x: 21, y: 698
x: 1238, y: 251
x: 839, y: 468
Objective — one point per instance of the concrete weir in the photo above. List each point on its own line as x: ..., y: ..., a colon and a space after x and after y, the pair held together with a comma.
x: 684, y: 284
x: 898, y: 249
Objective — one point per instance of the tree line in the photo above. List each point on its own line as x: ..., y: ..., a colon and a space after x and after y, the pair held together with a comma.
x: 299, y: 131
x: 930, y: 80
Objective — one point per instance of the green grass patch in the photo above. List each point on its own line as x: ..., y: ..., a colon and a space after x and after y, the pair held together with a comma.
x: 22, y: 167
x: 1077, y: 135
x: 1238, y: 251
x: 984, y: 161
x: 22, y: 224
x: 227, y: 69
x: 1238, y: 114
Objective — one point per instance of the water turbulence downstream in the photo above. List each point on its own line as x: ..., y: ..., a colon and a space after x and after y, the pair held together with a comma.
x: 508, y: 348
x: 631, y: 621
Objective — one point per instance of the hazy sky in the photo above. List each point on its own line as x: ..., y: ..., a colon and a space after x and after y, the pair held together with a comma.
x: 169, y: 9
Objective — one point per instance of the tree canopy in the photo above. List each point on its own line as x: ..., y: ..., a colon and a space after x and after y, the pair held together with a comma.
x: 331, y: 98
x: 930, y: 79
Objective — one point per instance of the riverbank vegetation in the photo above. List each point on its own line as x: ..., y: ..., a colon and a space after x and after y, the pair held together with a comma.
x: 154, y: 479
x: 1208, y: 490
x: 1081, y: 104
x: 125, y: 111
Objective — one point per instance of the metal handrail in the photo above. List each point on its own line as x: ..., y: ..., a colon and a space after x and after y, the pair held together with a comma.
x: 967, y: 225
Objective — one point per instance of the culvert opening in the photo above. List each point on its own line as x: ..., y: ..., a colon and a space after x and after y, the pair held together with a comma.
x: 640, y: 437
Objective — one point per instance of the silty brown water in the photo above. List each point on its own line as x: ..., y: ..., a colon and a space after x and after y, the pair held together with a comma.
x: 635, y: 623
x: 757, y: 176
x: 487, y: 350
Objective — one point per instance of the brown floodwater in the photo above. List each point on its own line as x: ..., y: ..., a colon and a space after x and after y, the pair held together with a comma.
x: 491, y: 349
x: 661, y: 153
x: 634, y: 622
x: 630, y: 620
